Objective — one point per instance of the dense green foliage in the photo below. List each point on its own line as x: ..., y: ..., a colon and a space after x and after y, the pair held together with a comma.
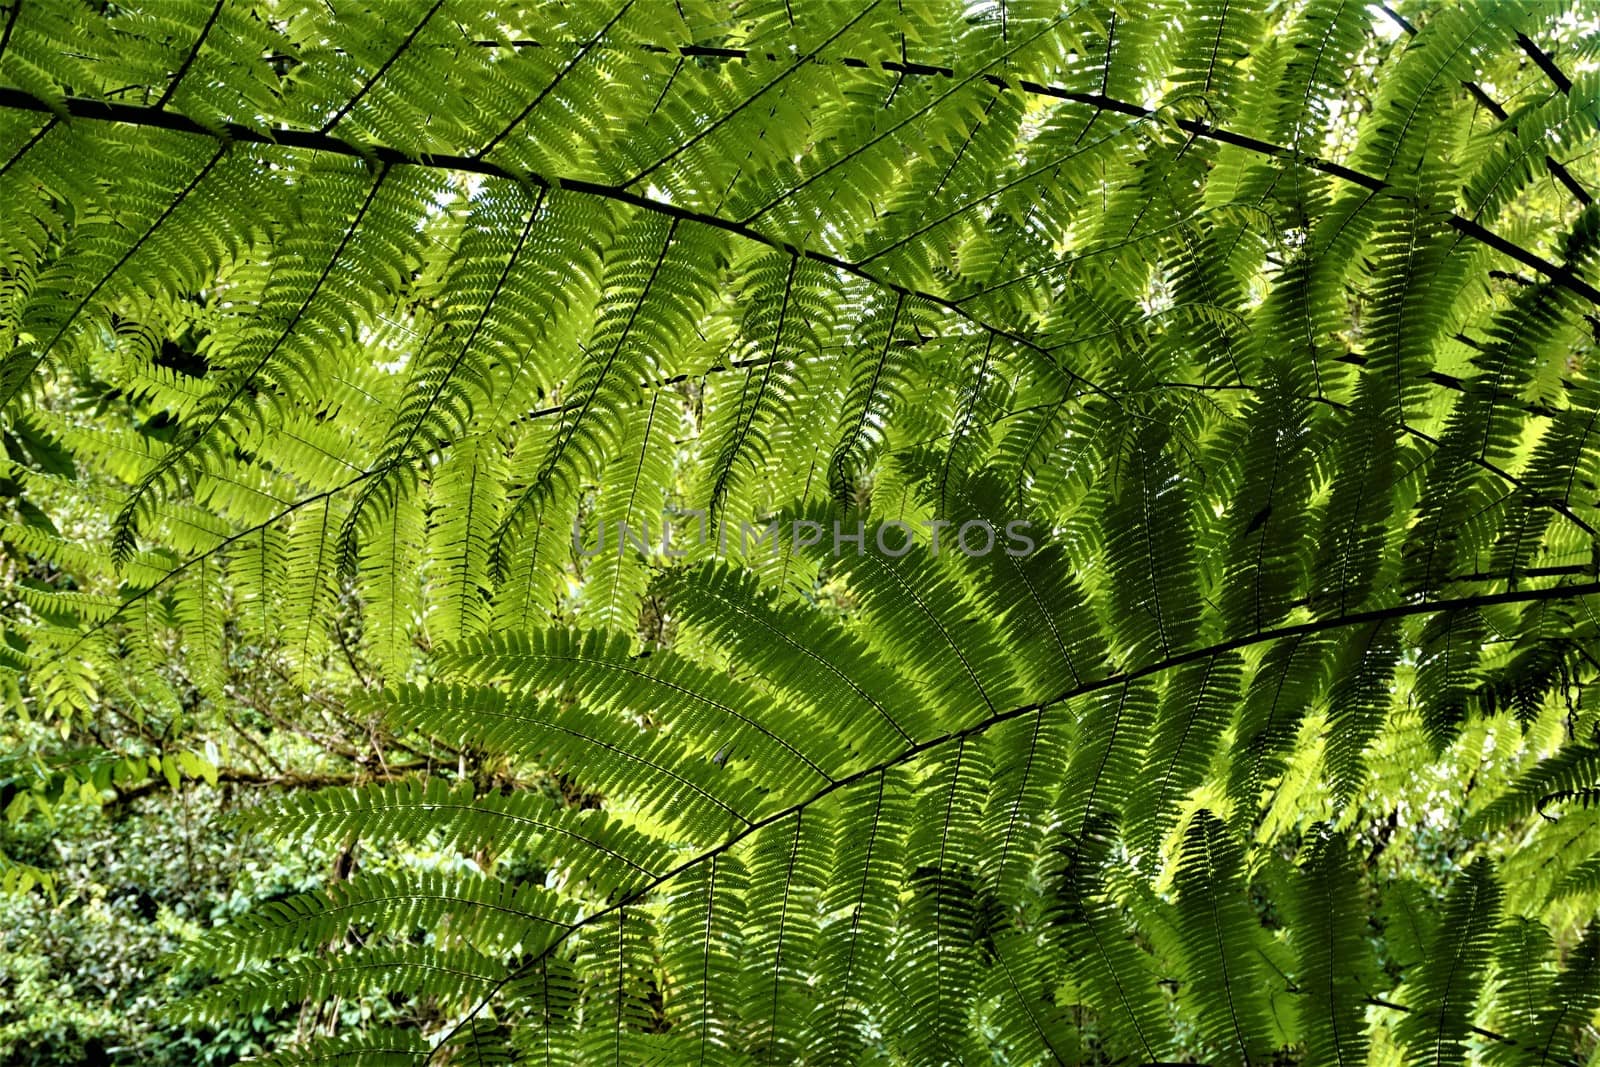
x: 82, y: 972
x: 332, y: 335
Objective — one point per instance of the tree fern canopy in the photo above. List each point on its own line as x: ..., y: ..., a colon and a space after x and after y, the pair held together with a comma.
x: 797, y: 531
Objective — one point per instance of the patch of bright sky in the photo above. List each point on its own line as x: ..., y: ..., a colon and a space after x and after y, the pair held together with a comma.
x: 1383, y: 26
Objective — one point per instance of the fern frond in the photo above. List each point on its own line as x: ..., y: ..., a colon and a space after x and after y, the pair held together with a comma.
x: 1217, y: 935
x: 1333, y: 959
x: 1445, y: 983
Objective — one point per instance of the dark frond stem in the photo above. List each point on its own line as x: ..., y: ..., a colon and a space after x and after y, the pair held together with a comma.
x: 663, y: 383
x: 183, y: 68
x: 731, y: 112
x: 1398, y: 19
x: 902, y: 68
x: 6, y: 397
x: 1561, y: 275
x: 783, y: 918
x: 123, y: 527
x: 548, y: 89
x: 1033, y: 1018
x: 201, y: 557
x: 1589, y: 796
x: 319, y: 142
x: 1557, y: 170
x: 349, y: 105
x: 854, y: 436
x: 1105, y: 103
x: 277, y: 517
x: 350, y: 657
x: 38, y: 136
x: 565, y: 432
x: 1557, y: 77
x: 108, y: 111
x: 968, y: 404
x: 917, y: 115
x: 1559, y: 506
x: 399, y: 455
x: 723, y: 473
x: 11, y: 23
